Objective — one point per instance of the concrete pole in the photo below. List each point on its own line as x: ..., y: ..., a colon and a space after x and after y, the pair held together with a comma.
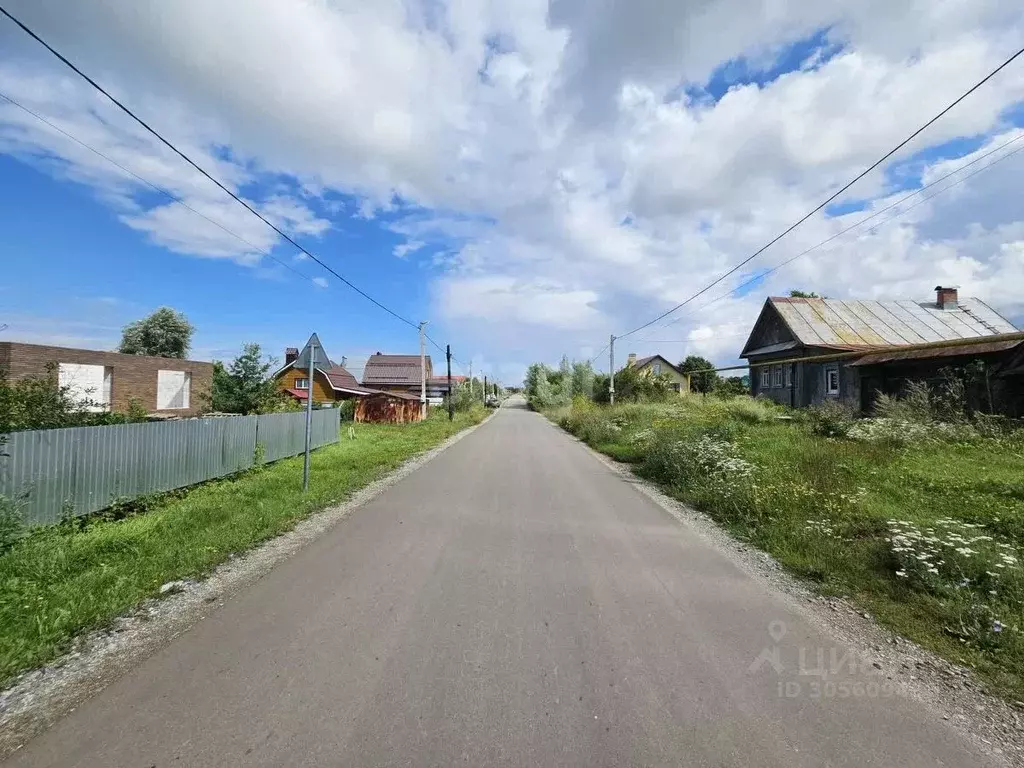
x: 611, y: 370
x: 423, y: 371
x: 471, y: 378
x: 309, y: 418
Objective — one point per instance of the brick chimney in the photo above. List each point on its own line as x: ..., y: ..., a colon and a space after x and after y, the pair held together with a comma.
x: 631, y: 360
x: 291, y: 354
x: 946, y: 298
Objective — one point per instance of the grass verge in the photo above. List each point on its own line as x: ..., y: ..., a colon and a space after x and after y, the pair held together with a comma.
x: 65, y: 579
x: 926, y: 532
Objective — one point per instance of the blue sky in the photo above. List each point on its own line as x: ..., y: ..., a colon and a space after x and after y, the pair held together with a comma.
x: 69, y: 261
x: 529, y: 183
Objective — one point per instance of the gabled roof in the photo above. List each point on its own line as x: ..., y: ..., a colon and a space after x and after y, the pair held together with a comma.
x: 855, y: 324
x: 383, y: 370
x: 344, y: 381
x: 641, y: 362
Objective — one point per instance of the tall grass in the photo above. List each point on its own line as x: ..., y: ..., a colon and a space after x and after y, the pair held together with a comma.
x: 854, y: 514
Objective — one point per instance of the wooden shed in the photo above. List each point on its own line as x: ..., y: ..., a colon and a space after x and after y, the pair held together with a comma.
x: 388, y: 408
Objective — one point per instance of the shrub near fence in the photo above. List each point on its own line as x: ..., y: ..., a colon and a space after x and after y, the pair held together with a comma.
x: 57, y: 472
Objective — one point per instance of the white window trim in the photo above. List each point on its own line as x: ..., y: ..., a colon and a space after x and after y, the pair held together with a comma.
x: 300, y: 385
x: 829, y: 389
x: 766, y: 377
x: 656, y: 367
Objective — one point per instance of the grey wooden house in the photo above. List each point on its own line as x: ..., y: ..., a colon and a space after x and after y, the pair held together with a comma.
x: 790, y: 328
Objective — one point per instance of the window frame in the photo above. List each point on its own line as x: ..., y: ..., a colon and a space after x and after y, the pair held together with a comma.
x: 776, y: 377
x: 300, y: 385
x: 766, y: 377
x: 787, y: 375
x: 656, y: 367
x: 829, y: 389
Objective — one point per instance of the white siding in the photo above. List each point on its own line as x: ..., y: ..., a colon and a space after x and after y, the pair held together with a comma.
x: 86, y: 382
x: 173, y: 389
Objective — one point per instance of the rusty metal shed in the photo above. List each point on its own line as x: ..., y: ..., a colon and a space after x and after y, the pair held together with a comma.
x: 388, y: 408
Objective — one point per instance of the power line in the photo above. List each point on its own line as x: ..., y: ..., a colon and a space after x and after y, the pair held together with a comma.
x: 866, y: 219
x: 831, y: 198
x: 150, y: 184
x: 191, y: 162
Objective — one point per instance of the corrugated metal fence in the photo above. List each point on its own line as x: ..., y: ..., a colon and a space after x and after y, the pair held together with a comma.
x: 84, y: 469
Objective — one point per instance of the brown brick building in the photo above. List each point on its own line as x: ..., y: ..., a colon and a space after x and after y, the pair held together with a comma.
x: 162, y: 385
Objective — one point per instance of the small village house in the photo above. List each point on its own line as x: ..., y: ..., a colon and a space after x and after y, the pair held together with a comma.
x: 331, y: 383
x: 111, y: 381
x: 789, y: 328
x: 437, y: 387
x: 660, y: 366
x: 396, y: 373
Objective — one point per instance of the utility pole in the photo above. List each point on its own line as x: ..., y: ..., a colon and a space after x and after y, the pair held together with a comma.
x: 611, y: 370
x: 309, y: 415
x: 470, y: 378
x: 485, y: 389
x: 451, y: 403
x: 423, y: 371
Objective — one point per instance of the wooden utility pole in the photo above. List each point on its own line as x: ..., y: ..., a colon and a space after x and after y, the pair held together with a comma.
x: 451, y: 402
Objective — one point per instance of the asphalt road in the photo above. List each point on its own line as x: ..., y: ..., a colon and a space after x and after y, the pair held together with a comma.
x: 511, y: 603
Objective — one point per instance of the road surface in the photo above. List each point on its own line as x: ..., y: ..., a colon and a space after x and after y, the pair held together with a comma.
x: 512, y: 603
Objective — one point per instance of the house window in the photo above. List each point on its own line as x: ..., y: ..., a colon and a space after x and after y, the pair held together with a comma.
x: 777, y: 376
x: 766, y: 377
x: 831, y: 381
x: 657, y: 369
x: 87, y: 385
x: 172, y: 390
x: 302, y: 383
x: 788, y: 375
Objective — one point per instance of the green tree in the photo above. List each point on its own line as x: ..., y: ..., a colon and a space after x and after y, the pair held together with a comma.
x: 165, y: 333
x: 583, y: 379
x: 732, y: 386
x: 245, y: 386
x: 699, y: 382
x: 804, y: 295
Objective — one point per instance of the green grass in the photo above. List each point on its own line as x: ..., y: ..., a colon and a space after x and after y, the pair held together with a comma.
x: 822, y: 506
x: 65, y: 579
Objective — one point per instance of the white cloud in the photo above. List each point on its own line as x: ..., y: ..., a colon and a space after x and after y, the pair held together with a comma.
x: 320, y: 282
x: 538, y: 157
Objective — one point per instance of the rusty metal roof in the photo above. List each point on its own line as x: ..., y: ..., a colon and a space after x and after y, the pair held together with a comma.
x: 862, y: 323
x: 925, y: 354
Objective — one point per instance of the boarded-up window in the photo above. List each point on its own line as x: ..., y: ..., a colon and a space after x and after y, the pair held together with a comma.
x: 86, y: 384
x: 172, y: 389
x: 831, y: 381
x: 789, y: 375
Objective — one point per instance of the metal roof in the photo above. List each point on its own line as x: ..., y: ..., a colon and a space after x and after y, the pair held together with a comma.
x: 394, y: 369
x: 852, y: 323
x: 925, y: 354
x: 645, y: 360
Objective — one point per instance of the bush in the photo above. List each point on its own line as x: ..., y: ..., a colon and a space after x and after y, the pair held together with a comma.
x: 347, y: 410
x: 832, y: 418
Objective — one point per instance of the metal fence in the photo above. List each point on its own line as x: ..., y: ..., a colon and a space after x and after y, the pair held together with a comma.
x: 75, y: 471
